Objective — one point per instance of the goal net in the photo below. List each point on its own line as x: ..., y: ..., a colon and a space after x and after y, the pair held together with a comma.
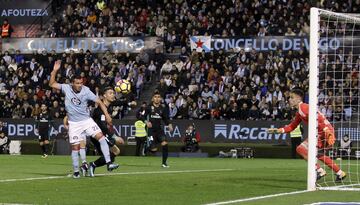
x: 334, y: 92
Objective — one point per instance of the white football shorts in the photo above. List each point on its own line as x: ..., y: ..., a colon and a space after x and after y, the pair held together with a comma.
x: 79, y: 130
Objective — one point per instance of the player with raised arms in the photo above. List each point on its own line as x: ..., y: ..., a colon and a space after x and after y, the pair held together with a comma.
x: 81, y: 124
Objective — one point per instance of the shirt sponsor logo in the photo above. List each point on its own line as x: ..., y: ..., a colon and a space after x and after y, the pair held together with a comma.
x: 75, y: 101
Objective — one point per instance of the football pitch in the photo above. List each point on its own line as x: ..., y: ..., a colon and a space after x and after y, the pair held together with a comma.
x: 29, y: 179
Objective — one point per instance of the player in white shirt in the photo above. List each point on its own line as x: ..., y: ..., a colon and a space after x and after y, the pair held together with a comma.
x: 81, y: 124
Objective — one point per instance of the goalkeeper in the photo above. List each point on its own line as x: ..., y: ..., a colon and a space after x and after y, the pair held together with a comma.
x: 326, y: 136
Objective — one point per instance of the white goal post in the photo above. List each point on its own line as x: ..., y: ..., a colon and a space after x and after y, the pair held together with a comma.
x: 343, y: 29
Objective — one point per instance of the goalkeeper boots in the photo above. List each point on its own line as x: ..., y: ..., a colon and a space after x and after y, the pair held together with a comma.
x: 84, y: 168
x: 111, y: 166
x: 320, y: 173
x: 340, y: 177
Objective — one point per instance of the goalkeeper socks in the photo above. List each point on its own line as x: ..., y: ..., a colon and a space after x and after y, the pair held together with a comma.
x: 105, y: 149
x: 329, y: 162
x: 302, y: 151
x: 75, y: 160
x: 165, y: 150
x: 83, y: 155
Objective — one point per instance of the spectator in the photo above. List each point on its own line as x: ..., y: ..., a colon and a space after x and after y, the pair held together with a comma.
x: 183, y: 112
x: 173, y: 110
x: 54, y: 109
x: 26, y: 110
x: 254, y: 113
x: 204, y: 113
x: 166, y: 68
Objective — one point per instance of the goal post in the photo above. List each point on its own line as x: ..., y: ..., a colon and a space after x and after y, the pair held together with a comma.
x: 313, y: 97
x: 334, y: 91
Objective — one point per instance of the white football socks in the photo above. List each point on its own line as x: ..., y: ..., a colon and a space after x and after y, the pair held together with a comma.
x: 83, y: 155
x: 75, y: 160
x: 105, y: 149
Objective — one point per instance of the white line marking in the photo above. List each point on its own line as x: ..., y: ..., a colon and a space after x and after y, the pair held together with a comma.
x: 119, y: 173
x: 13, y: 204
x: 258, y: 197
x: 353, y: 187
x: 334, y: 203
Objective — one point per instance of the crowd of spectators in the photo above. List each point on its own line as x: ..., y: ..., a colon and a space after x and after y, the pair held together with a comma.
x: 176, y: 20
x: 217, y: 85
x: 255, y: 85
x: 24, y: 78
x: 243, y: 86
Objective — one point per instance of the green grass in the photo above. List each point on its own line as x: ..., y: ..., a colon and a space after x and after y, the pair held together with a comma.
x: 242, y: 178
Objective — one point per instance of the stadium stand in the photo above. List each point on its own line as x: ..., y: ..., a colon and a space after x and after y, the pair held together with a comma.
x: 195, y: 85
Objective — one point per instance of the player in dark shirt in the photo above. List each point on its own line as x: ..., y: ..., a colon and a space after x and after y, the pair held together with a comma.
x: 44, y: 122
x: 112, y: 136
x: 154, y: 114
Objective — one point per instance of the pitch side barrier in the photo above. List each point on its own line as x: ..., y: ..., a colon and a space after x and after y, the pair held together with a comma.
x: 210, y: 131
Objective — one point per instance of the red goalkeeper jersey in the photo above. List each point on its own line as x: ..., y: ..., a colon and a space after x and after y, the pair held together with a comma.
x: 303, y: 115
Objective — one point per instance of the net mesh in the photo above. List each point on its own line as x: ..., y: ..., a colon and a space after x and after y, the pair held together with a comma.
x: 338, y: 95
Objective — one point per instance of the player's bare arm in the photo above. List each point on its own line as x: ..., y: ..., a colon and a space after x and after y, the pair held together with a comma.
x: 52, y: 81
x: 66, y: 123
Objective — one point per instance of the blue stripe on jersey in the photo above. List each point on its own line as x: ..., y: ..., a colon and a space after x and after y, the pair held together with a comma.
x: 76, y: 104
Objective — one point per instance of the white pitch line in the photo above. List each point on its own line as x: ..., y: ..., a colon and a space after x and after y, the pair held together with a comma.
x: 335, y: 203
x: 258, y: 197
x: 13, y: 204
x: 120, y: 173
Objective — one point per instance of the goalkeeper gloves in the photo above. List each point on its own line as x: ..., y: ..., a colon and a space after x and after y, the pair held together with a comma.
x: 275, y: 130
x: 329, y: 137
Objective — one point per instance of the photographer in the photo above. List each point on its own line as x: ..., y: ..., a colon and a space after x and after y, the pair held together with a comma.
x: 191, y: 140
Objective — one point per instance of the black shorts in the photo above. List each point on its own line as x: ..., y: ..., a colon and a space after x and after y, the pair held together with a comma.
x: 43, y: 135
x: 158, y: 136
